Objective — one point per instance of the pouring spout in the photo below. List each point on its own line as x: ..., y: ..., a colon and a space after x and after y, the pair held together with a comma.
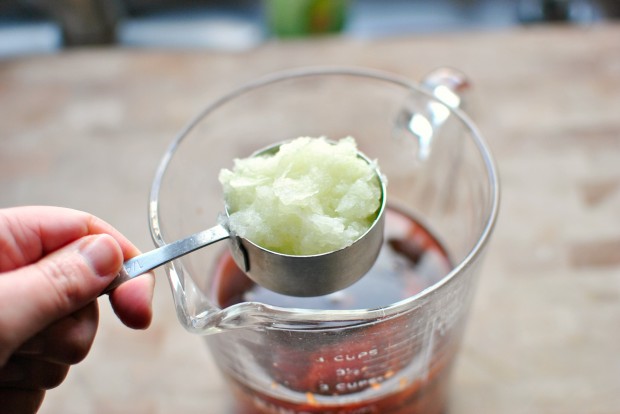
x: 194, y: 309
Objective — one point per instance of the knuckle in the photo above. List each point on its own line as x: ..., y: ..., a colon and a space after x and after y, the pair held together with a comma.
x: 53, y: 377
x: 32, y: 374
x: 16, y: 400
x: 76, y: 353
x: 77, y: 348
x: 80, y: 334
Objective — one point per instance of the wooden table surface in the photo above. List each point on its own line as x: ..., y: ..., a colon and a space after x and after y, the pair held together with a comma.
x: 86, y: 128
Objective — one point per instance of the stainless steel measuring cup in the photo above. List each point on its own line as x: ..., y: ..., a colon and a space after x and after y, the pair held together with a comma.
x: 295, y: 275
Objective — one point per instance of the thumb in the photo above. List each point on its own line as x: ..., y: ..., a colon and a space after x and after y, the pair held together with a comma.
x: 59, y: 284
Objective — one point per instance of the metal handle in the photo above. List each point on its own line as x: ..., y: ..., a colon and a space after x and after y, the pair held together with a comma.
x: 145, y: 262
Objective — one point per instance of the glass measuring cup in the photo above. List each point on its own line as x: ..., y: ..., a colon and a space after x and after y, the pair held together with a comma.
x: 386, y: 344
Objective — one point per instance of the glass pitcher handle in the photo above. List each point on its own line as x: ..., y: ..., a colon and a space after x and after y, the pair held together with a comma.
x: 420, y: 119
x: 448, y: 85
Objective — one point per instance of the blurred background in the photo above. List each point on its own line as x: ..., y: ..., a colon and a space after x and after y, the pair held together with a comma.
x: 86, y: 130
x: 46, y: 26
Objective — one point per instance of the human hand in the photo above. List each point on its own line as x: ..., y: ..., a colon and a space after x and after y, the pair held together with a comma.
x: 54, y: 263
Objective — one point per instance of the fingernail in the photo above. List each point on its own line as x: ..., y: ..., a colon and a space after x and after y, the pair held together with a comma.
x: 103, y: 254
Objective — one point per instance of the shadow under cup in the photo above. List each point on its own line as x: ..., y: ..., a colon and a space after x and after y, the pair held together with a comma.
x: 389, y: 358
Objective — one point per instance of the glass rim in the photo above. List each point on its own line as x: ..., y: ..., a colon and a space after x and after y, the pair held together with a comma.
x: 311, y: 316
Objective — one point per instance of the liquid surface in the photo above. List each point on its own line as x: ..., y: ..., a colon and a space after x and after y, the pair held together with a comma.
x: 410, y: 260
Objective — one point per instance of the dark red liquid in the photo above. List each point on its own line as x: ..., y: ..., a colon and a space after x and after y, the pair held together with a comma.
x: 363, y: 358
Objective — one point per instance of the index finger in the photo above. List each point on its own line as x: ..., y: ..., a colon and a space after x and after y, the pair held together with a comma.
x: 29, y: 233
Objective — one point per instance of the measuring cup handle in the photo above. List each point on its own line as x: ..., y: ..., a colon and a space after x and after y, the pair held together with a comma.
x: 148, y: 261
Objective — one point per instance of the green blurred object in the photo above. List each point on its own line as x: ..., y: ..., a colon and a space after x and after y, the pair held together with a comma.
x: 294, y: 18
